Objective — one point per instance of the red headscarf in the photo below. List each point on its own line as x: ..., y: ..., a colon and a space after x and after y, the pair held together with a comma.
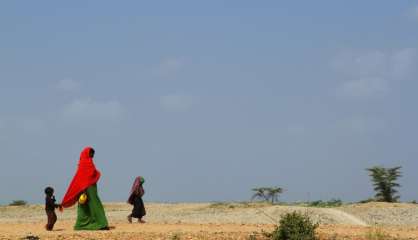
x: 86, y: 175
x: 136, y: 189
x: 137, y: 185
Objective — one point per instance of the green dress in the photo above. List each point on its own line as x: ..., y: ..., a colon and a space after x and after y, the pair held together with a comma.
x: 91, y: 215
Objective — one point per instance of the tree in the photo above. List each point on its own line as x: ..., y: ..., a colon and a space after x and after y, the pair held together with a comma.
x: 273, y: 194
x: 268, y: 194
x: 260, y: 193
x: 384, y: 182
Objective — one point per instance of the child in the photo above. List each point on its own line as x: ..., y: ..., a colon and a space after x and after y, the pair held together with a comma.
x: 135, y: 199
x: 50, y: 208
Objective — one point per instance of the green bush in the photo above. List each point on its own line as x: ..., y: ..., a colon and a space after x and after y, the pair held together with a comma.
x: 294, y: 226
x: 330, y: 203
x: 369, y: 200
x: 18, y: 203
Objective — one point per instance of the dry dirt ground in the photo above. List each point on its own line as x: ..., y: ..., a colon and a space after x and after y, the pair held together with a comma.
x: 216, y: 221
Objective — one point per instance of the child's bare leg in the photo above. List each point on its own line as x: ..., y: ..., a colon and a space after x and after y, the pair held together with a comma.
x: 52, y: 218
x: 130, y: 218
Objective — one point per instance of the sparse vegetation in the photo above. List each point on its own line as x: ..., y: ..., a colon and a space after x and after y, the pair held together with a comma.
x: 222, y: 205
x: 294, y: 226
x: 18, y: 203
x: 377, y: 234
x: 367, y: 200
x: 31, y: 237
x: 331, y: 203
x: 252, y: 236
x: 237, y: 205
x: 268, y: 194
x: 175, y: 236
x: 384, y: 182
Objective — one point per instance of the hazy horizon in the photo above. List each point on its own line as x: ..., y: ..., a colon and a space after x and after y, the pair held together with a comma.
x: 208, y: 100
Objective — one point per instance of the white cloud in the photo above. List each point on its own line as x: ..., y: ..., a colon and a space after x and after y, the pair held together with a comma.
x: 176, y: 103
x: 68, y: 84
x: 364, y: 87
x: 371, y: 73
x: 89, y: 110
x: 169, y: 66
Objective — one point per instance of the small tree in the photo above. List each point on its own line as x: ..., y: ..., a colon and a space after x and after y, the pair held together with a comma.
x: 268, y: 194
x: 273, y: 194
x: 260, y: 193
x: 384, y: 182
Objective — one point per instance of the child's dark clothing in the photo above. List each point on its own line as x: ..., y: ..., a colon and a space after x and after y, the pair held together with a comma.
x: 50, y: 211
x: 139, y: 209
x: 137, y: 191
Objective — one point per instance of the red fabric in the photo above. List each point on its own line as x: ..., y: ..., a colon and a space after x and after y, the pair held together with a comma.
x: 86, y: 175
x: 137, y: 185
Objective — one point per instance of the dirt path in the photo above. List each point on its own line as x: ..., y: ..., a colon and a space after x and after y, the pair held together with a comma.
x: 122, y: 231
x: 210, y: 221
x: 345, y: 217
x: 148, y: 231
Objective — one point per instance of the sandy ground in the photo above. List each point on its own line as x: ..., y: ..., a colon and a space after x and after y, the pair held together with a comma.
x: 215, y: 221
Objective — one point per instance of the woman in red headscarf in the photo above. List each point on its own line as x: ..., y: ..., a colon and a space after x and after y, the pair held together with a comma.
x: 90, y: 212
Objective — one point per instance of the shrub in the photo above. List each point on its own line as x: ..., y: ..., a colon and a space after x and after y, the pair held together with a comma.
x: 18, y: 203
x: 367, y: 200
x: 331, y: 203
x: 31, y: 237
x: 294, y: 226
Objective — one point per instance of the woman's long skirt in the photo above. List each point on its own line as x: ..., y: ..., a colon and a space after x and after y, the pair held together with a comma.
x: 91, y: 215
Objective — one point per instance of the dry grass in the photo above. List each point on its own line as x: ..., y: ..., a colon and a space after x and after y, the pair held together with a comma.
x: 210, y: 221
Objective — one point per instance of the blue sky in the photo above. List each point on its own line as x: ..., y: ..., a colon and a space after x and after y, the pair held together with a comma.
x: 208, y: 99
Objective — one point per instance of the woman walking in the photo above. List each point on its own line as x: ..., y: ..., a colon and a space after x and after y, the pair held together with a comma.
x: 83, y: 188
